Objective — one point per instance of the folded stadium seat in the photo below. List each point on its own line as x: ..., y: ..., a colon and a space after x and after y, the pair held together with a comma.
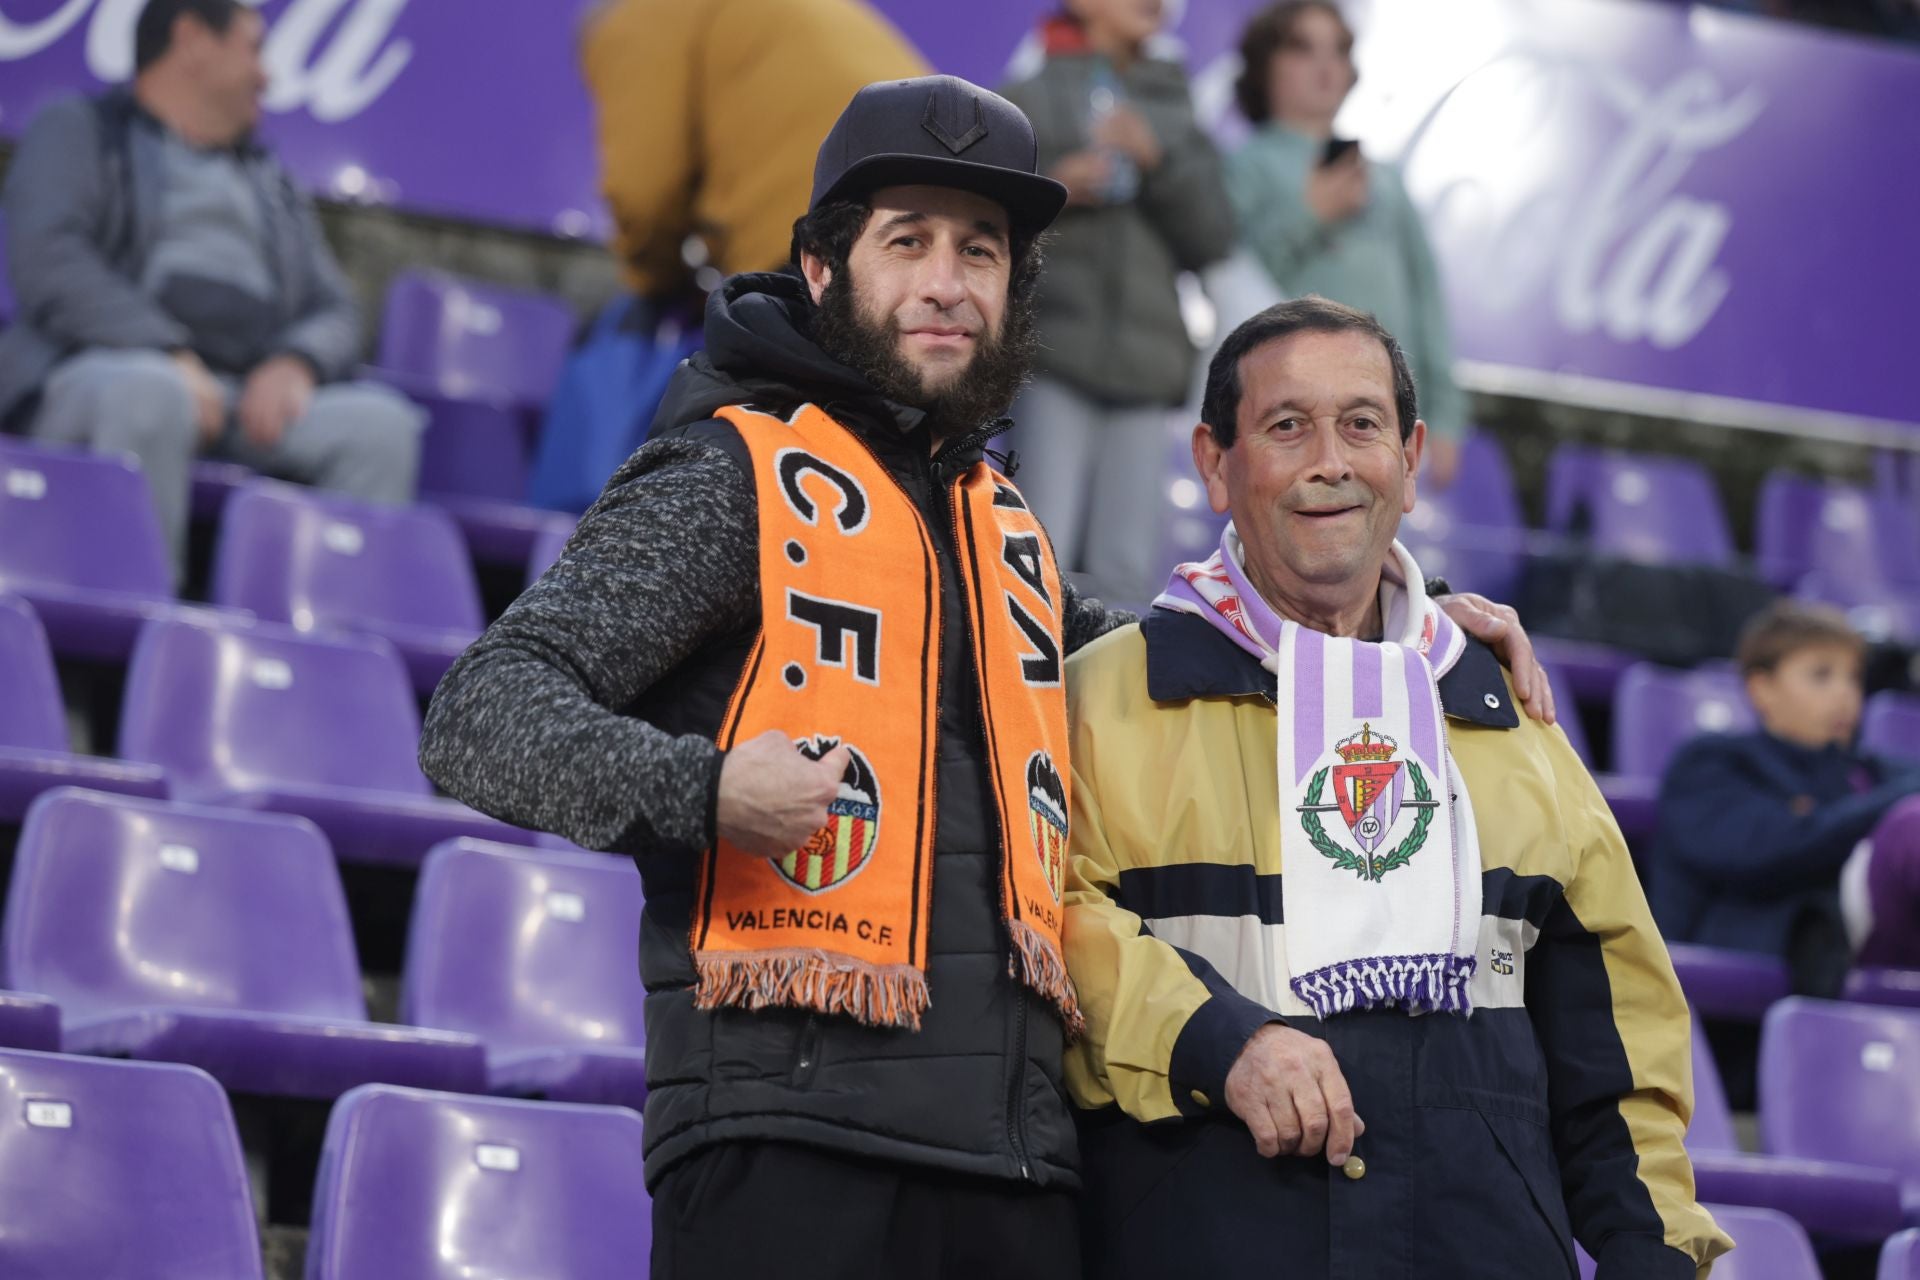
x: 178, y: 933
x: 1640, y: 507
x: 1839, y: 1201
x: 482, y: 361
x: 1890, y: 725
x: 1656, y: 710
x: 322, y: 562
x: 1900, y: 1257
x: 1768, y: 1245
x: 33, y: 727
x: 1841, y: 1082
x: 1843, y: 546
x: 29, y: 1022
x: 546, y: 549
x: 1633, y: 800
x: 1898, y: 987
x: 1471, y: 532
x: 1192, y: 528
x: 80, y: 541
x: 426, y: 1186
x: 118, y: 1171
x: 259, y: 716
x: 533, y: 953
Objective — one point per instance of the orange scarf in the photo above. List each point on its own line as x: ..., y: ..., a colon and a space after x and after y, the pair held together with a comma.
x: 849, y: 652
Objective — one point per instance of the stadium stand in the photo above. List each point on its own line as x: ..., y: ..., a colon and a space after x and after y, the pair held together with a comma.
x: 1655, y: 510
x: 533, y: 953
x: 426, y: 1186
x: 318, y: 561
x: 29, y: 1021
x: 34, y: 755
x: 109, y: 1166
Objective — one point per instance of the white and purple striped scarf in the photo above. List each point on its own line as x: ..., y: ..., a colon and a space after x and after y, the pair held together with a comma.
x: 1380, y: 885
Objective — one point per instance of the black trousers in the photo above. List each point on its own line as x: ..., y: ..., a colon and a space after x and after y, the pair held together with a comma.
x: 750, y: 1209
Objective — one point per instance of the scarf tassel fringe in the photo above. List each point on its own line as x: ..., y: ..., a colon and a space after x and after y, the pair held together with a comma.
x: 1418, y: 984
x: 1036, y: 963
x: 893, y: 995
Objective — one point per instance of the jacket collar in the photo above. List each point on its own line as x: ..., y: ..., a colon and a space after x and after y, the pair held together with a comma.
x: 1187, y: 658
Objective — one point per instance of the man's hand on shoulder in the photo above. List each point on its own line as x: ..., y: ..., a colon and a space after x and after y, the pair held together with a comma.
x: 1288, y: 1089
x: 772, y: 798
x: 1498, y: 627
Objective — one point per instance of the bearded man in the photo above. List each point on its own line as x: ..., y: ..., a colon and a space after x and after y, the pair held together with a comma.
x: 804, y: 661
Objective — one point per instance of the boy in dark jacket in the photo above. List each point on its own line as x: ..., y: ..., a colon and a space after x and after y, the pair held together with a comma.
x: 1789, y: 841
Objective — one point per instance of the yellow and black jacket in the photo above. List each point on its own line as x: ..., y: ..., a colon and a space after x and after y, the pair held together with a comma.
x: 1554, y: 1113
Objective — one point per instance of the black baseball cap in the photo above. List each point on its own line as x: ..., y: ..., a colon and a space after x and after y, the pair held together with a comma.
x: 937, y: 131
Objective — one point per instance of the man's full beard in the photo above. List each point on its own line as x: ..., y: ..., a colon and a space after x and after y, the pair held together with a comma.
x: 982, y: 391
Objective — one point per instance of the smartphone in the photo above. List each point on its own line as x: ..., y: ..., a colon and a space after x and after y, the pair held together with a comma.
x: 1336, y: 150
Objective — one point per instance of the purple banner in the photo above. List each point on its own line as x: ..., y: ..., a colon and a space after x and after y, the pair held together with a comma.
x: 1632, y: 202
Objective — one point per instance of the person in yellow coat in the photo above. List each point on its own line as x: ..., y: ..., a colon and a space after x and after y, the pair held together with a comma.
x: 709, y: 114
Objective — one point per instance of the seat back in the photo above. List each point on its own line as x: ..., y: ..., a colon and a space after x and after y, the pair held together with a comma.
x: 1482, y: 493
x: 1191, y: 529
x: 1842, y: 1082
x: 526, y: 949
x: 77, y: 519
x: 1856, y: 541
x: 31, y: 712
x: 1656, y: 709
x: 1768, y: 1245
x: 547, y: 546
x: 432, y: 1186
x: 1900, y: 1256
x: 1890, y: 725
x: 471, y: 339
x: 1652, y: 509
x: 1567, y: 713
x: 1712, y: 1127
x: 227, y: 706
x: 105, y: 1163
x: 294, y: 555
x: 119, y: 903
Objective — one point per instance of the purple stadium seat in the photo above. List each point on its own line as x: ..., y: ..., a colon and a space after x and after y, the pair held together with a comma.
x: 547, y: 548
x: 29, y: 1022
x: 1738, y: 986
x: 1805, y: 524
x: 33, y: 727
x: 80, y: 541
x: 213, y: 483
x: 1768, y: 1245
x: 1835, y: 1200
x: 8, y: 307
x: 322, y: 562
x: 425, y: 1186
x: 1633, y: 800
x: 117, y: 1170
x: 1897, y: 987
x: 176, y: 933
x: 533, y: 953
x: 1592, y: 671
x: 1192, y: 527
x: 482, y: 360
x: 1842, y: 1082
x: 1900, y: 1257
x: 1657, y: 709
x: 1890, y: 725
x: 260, y: 716
x: 1471, y: 533
x: 1655, y: 509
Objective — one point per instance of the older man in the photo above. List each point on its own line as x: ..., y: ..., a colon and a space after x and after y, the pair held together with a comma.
x: 176, y: 295
x: 1369, y: 945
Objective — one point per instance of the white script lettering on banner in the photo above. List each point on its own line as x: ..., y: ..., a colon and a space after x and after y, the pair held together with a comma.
x: 332, y: 57
x: 1620, y: 245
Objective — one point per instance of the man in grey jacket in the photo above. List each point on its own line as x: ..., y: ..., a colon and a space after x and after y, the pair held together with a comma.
x: 175, y: 293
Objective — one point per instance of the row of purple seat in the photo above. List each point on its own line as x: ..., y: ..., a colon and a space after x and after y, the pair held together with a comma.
x: 1849, y: 546
x: 183, y: 933
x: 113, y: 1170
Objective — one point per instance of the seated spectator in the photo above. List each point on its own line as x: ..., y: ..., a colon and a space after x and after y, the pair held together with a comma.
x: 1327, y: 220
x: 1789, y: 841
x: 1146, y: 201
x: 176, y: 296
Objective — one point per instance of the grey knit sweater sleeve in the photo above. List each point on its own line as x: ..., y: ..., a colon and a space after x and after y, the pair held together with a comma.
x: 527, y: 725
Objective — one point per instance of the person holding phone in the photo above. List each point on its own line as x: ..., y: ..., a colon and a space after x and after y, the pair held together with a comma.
x: 1325, y: 219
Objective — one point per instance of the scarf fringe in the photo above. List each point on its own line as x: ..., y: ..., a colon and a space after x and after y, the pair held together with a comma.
x: 893, y: 995
x: 1418, y: 984
x: 1036, y: 962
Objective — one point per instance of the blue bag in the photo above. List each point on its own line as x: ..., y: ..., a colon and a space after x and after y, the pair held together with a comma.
x: 605, y: 400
